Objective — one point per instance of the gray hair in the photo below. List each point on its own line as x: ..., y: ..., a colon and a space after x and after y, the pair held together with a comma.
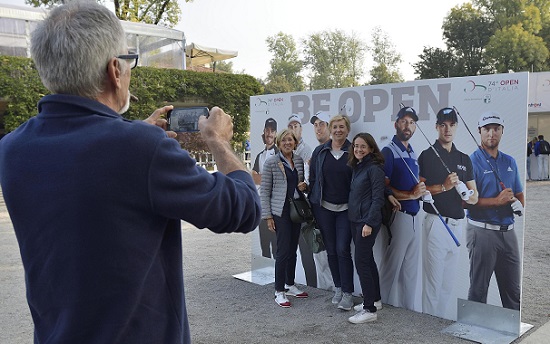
x: 72, y: 46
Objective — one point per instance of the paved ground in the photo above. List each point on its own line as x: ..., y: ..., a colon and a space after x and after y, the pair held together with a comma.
x: 223, y: 309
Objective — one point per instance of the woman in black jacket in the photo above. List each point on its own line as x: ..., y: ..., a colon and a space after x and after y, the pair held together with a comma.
x: 365, y: 213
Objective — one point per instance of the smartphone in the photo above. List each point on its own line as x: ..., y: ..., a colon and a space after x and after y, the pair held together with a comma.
x: 185, y: 119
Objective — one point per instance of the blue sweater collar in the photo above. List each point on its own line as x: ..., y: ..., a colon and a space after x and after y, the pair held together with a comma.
x: 63, y: 105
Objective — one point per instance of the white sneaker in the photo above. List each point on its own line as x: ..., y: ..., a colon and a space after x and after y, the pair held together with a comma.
x: 363, y: 316
x: 281, y: 300
x: 337, y: 296
x: 292, y: 290
x: 377, y: 304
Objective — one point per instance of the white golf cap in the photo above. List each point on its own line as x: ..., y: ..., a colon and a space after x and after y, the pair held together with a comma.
x: 320, y: 115
x: 489, y: 117
x: 294, y: 118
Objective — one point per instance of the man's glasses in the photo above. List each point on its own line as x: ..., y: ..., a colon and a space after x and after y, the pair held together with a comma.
x: 130, y: 57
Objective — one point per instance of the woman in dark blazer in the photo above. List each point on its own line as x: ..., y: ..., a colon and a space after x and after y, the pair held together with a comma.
x: 283, y: 178
x: 329, y: 180
x: 366, y: 199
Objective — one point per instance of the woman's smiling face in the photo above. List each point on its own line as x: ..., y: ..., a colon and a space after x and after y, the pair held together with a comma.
x: 287, y: 144
x: 361, y: 148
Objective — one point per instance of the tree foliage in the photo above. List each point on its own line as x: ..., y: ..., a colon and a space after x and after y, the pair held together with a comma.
x: 386, y: 59
x: 224, y: 66
x: 286, y: 66
x: 437, y: 63
x: 466, y: 32
x: 158, y: 12
x: 488, y: 36
x: 515, y: 45
x: 22, y: 88
x: 334, y: 59
x: 513, y: 49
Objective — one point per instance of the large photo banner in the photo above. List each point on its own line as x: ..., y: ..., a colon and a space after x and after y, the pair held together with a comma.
x: 434, y: 253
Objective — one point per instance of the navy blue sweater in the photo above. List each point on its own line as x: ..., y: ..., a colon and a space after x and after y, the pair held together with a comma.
x: 96, y: 202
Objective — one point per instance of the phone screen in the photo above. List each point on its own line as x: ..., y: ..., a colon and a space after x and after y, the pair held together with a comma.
x: 186, y: 119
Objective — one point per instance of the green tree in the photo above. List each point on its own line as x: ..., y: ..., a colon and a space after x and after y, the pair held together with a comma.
x: 386, y: 59
x: 286, y: 65
x: 334, y: 59
x: 163, y: 12
x: 516, y: 44
x: 278, y: 84
x: 224, y: 66
x: 488, y: 36
x: 437, y: 63
x: 513, y: 49
x: 466, y: 32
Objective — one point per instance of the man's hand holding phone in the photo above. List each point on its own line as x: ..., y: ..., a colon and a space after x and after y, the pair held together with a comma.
x: 218, y: 126
x: 156, y: 119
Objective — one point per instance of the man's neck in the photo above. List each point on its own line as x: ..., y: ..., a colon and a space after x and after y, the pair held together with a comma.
x: 446, y: 145
x: 492, y: 151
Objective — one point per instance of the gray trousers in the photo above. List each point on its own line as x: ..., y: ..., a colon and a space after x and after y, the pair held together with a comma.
x: 494, y: 251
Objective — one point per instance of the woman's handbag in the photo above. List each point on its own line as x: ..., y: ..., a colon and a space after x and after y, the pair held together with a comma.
x: 300, y: 209
x: 312, y: 236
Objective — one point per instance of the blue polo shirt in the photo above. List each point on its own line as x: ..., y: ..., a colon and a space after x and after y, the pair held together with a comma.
x: 488, y: 186
x: 397, y: 172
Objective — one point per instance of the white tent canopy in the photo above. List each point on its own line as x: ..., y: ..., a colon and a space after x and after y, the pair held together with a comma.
x: 198, y: 55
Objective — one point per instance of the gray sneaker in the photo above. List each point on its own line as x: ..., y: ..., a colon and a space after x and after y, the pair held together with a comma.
x: 337, y: 296
x: 347, y: 302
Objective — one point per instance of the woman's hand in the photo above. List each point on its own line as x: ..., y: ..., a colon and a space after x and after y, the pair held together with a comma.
x: 367, y: 230
x: 302, y: 186
x: 271, y: 224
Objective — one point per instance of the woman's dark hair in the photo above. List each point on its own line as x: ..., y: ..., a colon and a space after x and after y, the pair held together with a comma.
x: 376, y: 155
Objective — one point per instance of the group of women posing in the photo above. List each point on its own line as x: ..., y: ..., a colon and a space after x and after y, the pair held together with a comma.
x: 347, y: 192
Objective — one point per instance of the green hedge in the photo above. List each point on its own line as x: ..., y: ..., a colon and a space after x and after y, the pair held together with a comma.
x: 21, y: 87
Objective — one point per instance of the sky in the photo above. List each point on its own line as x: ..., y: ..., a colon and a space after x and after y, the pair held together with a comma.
x: 244, y: 25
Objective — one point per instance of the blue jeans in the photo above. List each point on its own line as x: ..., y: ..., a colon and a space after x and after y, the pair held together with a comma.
x: 288, y: 234
x: 336, y: 230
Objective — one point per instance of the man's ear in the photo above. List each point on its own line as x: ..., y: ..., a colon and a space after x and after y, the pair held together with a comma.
x: 113, y: 72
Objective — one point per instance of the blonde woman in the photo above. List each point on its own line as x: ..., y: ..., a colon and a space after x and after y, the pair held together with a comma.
x: 329, y: 180
x: 283, y: 178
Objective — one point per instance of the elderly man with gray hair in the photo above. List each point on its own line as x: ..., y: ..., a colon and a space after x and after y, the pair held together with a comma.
x: 97, y: 201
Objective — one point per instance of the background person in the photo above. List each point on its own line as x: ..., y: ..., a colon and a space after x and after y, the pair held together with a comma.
x: 542, y: 149
x: 268, y: 240
x: 439, y: 251
x: 399, y: 264
x: 491, y: 240
x: 283, y: 178
x: 530, y: 151
x: 329, y: 181
x: 97, y: 201
x: 365, y: 213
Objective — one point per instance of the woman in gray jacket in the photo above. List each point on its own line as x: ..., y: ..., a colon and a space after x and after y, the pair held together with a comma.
x: 366, y: 199
x: 283, y: 178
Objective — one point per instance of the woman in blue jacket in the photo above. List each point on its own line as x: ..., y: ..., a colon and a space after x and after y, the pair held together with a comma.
x: 283, y: 178
x: 366, y: 199
x: 329, y: 180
